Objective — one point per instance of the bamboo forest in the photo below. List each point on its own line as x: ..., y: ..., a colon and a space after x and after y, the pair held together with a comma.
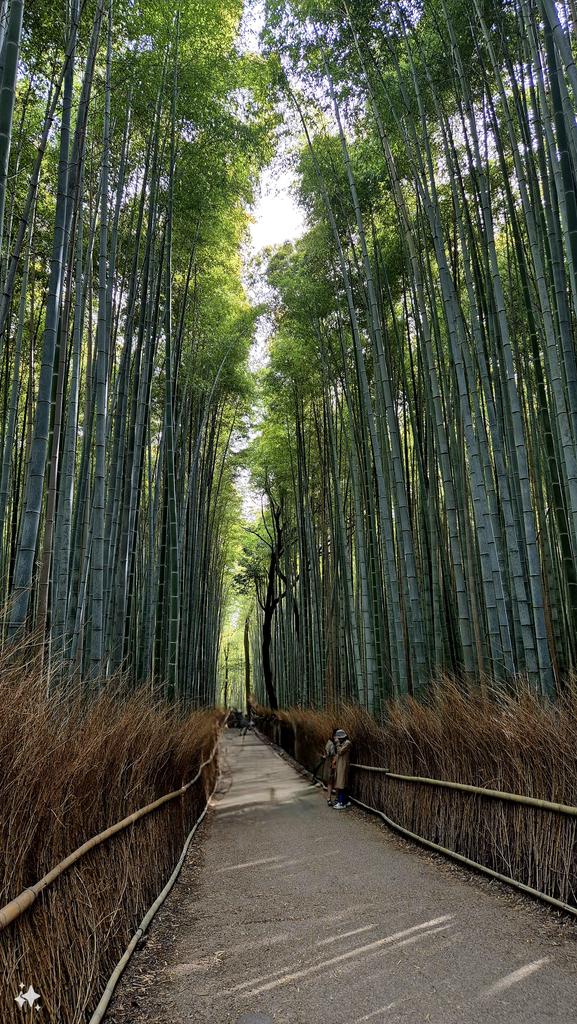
x: 412, y: 426
x: 288, y: 499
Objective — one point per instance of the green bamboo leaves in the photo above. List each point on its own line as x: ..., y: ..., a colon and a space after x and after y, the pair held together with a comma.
x: 124, y: 332
x: 439, y: 440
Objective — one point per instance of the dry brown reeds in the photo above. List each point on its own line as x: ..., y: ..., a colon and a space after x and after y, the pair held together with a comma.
x: 69, y: 768
x: 512, y: 742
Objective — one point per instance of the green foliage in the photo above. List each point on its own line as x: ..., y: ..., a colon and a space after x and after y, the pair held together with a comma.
x: 191, y: 126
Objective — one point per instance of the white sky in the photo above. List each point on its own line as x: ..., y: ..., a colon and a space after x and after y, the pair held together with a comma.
x: 277, y: 216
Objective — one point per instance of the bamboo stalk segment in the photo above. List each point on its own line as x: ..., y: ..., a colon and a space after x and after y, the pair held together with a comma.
x: 494, y: 794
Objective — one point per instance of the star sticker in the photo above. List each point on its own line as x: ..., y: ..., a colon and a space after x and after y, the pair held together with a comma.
x: 29, y: 997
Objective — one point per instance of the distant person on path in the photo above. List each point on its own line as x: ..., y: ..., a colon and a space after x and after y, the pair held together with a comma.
x: 329, y: 767
x: 246, y: 723
x: 343, y: 757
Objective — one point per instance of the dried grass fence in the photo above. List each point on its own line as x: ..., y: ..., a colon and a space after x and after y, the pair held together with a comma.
x: 509, y: 742
x: 69, y: 769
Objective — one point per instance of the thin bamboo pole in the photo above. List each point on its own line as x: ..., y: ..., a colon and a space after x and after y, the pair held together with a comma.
x: 506, y: 879
x: 104, y: 1001
x: 495, y: 794
x: 14, y: 909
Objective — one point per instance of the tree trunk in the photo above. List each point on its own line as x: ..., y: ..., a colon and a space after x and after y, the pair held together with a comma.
x: 247, y: 662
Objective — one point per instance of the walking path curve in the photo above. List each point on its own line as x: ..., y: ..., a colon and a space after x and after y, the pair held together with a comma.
x: 290, y: 912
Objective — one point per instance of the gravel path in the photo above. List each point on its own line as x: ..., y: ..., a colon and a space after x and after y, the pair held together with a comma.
x: 291, y: 912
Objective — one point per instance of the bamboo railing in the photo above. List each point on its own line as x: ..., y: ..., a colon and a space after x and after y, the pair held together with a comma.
x: 452, y: 854
x: 23, y: 901
x: 106, y: 996
x: 494, y: 794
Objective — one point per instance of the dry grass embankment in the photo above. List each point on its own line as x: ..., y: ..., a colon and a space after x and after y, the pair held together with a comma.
x: 511, y: 742
x: 69, y: 769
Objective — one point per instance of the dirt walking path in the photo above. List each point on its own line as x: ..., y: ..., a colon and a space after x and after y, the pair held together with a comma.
x: 290, y: 912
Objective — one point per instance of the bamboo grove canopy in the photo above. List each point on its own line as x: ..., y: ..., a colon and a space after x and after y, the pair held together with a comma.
x: 419, y: 435
x: 130, y: 139
x: 416, y: 436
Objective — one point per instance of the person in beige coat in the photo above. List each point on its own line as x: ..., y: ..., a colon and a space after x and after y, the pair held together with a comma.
x: 343, y: 757
x: 330, y: 764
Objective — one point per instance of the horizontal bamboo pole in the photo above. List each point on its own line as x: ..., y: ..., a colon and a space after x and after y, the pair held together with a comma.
x: 459, y: 857
x: 104, y: 1001
x: 15, y: 908
x: 494, y: 794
